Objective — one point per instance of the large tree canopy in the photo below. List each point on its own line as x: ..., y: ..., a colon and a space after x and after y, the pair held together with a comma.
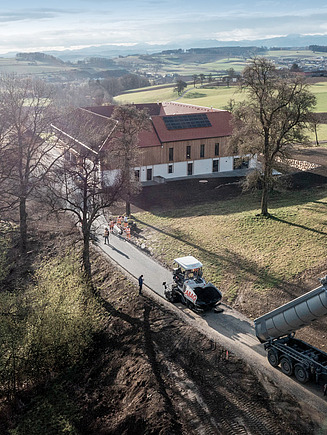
x: 273, y: 118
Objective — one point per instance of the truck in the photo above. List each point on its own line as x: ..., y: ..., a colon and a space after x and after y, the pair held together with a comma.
x: 189, y: 286
x: 276, y: 330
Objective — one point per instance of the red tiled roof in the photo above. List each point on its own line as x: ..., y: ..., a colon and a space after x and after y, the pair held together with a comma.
x: 152, y: 108
x: 158, y: 133
x: 149, y: 138
x: 176, y: 108
x: 220, y: 126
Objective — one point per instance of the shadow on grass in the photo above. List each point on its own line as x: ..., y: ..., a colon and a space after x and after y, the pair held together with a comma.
x: 247, y: 269
x: 292, y: 224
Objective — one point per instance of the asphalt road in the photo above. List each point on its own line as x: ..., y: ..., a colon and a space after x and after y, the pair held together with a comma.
x: 230, y: 329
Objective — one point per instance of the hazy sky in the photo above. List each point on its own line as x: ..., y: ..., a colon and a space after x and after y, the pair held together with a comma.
x: 37, y: 25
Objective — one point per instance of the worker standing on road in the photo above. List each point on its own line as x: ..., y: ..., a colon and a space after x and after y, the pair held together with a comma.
x: 128, y: 233
x: 111, y: 225
x: 140, y: 284
x: 106, y: 236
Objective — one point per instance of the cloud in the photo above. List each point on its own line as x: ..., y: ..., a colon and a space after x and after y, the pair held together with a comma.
x: 33, y: 14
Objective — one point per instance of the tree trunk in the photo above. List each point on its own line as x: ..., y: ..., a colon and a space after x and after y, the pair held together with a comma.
x: 86, y: 255
x: 23, y: 224
x: 128, y: 208
x: 267, y: 174
x: 316, y: 134
x: 264, y: 200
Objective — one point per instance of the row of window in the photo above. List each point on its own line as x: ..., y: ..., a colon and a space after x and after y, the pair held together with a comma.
x: 215, y: 168
x: 239, y: 163
x: 188, y: 152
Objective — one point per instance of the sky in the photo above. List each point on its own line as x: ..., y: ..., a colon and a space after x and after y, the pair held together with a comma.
x: 38, y: 25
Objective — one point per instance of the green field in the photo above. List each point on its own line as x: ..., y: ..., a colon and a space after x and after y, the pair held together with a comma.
x: 242, y: 250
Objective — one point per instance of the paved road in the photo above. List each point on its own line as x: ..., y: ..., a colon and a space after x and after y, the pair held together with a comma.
x: 230, y: 328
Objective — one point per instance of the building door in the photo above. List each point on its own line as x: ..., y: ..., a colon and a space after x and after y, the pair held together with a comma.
x: 215, y: 165
x: 190, y: 169
x: 149, y: 174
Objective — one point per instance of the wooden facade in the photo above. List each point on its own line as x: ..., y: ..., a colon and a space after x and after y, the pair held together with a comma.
x: 158, y: 155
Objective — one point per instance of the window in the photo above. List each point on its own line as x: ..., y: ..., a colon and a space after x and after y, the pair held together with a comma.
x: 149, y: 174
x: 171, y: 154
x: 215, y: 165
x: 137, y: 174
x: 189, y: 168
x: 170, y: 169
x: 216, y: 149
x: 201, y: 150
x: 188, y: 152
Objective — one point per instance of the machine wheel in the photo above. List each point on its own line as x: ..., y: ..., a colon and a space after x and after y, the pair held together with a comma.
x: 301, y: 373
x: 286, y: 365
x: 273, y: 357
x: 189, y: 305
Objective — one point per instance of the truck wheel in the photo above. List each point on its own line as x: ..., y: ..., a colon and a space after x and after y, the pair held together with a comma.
x: 189, y: 305
x: 273, y: 357
x: 286, y: 365
x: 301, y: 373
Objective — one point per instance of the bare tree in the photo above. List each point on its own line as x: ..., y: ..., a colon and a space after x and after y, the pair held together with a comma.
x: 195, y: 79
x: 26, y: 142
x: 124, y: 153
x: 272, y: 119
x: 75, y: 183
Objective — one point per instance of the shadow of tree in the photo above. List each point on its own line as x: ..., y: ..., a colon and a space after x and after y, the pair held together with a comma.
x: 297, y: 225
x: 156, y: 369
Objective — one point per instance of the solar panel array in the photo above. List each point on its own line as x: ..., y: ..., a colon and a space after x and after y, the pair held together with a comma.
x: 195, y: 120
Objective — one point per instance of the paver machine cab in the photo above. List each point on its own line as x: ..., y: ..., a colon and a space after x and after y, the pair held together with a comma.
x: 190, y: 287
x: 276, y: 330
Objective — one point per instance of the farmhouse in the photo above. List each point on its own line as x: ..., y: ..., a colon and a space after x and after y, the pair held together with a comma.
x: 182, y: 140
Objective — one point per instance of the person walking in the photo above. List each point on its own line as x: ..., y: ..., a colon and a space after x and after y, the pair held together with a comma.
x: 106, y: 236
x: 140, y: 284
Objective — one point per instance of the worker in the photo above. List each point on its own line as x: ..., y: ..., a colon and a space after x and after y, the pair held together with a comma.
x: 119, y: 220
x: 111, y: 225
x: 128, y: 232
x: 106, y: 236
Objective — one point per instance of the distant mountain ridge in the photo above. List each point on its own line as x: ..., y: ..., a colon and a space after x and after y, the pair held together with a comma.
x: 111, y: 51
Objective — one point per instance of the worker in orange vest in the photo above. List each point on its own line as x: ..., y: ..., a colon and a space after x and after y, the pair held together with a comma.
x: 119, y: 219
x: 111, y: 225
x: 128, y: 232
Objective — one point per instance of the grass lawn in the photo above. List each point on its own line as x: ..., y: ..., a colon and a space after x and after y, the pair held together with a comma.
x: 238, y: 248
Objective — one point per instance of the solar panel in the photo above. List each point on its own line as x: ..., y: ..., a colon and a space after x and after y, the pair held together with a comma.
x: 195, y: 120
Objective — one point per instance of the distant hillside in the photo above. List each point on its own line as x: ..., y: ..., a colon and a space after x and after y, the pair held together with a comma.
x: 39, y: 57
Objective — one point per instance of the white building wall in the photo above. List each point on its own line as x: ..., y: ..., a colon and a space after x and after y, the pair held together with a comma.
x: 226, y: 164
x: 202, y: 167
